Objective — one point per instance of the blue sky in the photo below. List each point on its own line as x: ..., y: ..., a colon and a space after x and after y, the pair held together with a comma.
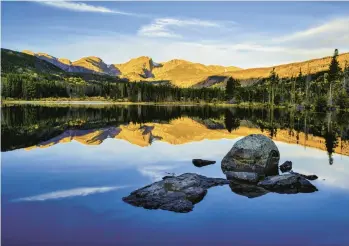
x: 244, y: 34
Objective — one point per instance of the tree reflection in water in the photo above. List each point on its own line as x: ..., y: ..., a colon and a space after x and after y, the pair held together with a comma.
x: 29, y: 125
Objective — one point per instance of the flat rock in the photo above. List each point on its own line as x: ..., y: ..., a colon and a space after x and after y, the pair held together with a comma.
x: 253, y: 153
x: 178, y: 194
x: 286, y: 166
x: 243, y: 176
x: 202, y: 163
x: 289, y: 184
x: 309, y: 177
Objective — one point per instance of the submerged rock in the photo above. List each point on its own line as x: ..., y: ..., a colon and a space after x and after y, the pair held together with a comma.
x: 247, y: 189
x: 178, y: 194
x: 254, y: 153
x: 244, y: 176
x: 201, y: 163
x: 289, y: 184
x: 286, y: 166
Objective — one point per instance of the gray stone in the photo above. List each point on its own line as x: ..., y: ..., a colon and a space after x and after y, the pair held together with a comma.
x: 178, y: 194
x: 253, y: 153
x: 201, y: 163
x: 286, y: 166
x: 247, y: 189
x: 244, y: 176
x: 289, y: 184
x: 309, y: 177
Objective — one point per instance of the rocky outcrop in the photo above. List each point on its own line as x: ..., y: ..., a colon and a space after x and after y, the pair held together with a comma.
x: 254, y: 153
x: 202, y: 163
x: 288, y: 184
x: 89, y: 64
x: 286, y: 166
x: 178, y: 194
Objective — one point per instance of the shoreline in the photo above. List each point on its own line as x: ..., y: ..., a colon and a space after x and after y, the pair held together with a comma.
x: 105, y: 102
x: 99, y: 102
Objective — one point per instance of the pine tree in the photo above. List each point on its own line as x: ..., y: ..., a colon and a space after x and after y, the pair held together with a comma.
x: 273, y: 80
x: 293, y: 91
x: 346, y: 76
x: 307, y: 84
x: 334, y: 71
x: 301, y: 81
x: 229, y: 90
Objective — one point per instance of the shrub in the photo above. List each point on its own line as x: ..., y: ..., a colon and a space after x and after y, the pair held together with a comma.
x: 321, y: 104
x: 342, y: 100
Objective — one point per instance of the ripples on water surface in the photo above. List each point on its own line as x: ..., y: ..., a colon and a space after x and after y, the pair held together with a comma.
x: 65, y: 170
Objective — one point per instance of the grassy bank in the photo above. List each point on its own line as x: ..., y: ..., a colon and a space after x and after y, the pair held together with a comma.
x: 104, y: 101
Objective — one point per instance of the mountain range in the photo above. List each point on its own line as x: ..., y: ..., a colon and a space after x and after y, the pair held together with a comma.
x: 181, y: 73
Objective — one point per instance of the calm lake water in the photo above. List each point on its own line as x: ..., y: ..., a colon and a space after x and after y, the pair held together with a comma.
x: 66, y: 169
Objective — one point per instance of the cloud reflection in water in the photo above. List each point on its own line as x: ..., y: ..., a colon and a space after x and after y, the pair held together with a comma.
x: 83, y: 191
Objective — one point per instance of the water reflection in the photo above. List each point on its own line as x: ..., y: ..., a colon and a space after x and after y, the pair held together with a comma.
x: 29, y: 126
x: 104, y: 219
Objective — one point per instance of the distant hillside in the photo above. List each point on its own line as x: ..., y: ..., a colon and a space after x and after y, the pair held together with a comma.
x: 291, y: 69
x: 137, y: 69
x: 89, y: 64
x: 185, y: 74
x: 13, y: 61
x: 25, y: 63
x: 253, y: 75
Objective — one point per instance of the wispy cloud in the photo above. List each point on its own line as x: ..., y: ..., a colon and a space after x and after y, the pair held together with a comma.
x: 85, y: 191
x: 165, y: 27
x: 335, y: 26
x: 203, y: 41
x: 83, y: 7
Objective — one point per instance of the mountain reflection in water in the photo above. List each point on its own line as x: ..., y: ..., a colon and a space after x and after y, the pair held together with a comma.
x: 32, y: 126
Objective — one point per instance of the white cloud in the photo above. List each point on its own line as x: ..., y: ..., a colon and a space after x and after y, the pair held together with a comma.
x: 164, y: 27
x: 335, y: 28
x: 83, y: 7
x: 203, y: 41
x: 69, y: 193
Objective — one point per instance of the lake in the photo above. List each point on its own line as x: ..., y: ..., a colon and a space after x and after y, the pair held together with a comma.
x: 65, y: 170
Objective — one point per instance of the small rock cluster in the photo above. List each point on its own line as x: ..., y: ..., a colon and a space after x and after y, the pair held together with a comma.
x: 251, y: 168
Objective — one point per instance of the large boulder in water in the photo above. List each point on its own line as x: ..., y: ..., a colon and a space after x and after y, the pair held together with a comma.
x: 254, y: 153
